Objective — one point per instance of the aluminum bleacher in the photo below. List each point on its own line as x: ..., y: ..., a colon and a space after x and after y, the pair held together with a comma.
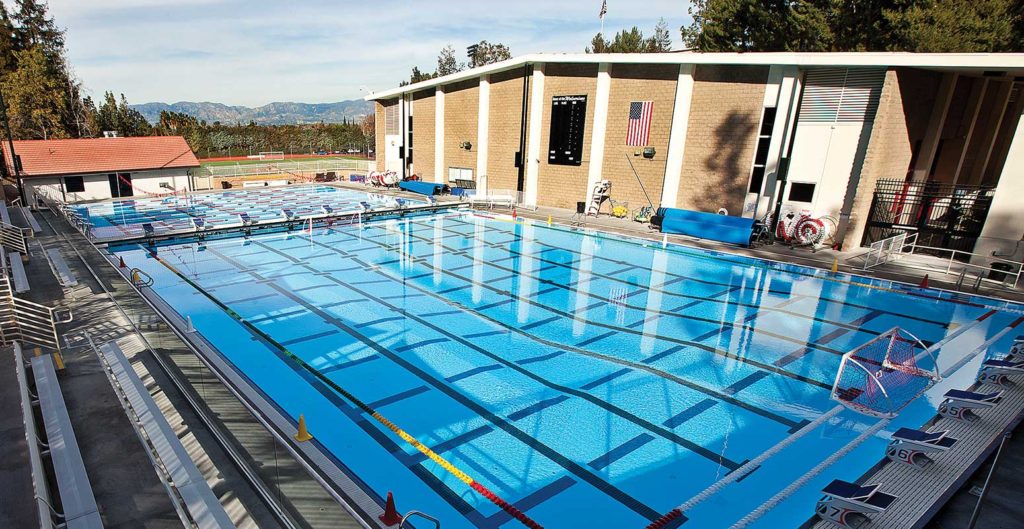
x: 71, y: 481
x: 197, y: 501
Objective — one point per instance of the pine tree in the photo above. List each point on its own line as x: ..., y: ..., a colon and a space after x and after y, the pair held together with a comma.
x: 661, y: 40
x: 7, y: 42
x: 34, y: 97
x: 447, y: 64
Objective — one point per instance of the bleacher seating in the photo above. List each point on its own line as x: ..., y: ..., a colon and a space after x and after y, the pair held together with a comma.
x: 20, y: 278
x: 60, y: 268
x: 76, y: 497
x: 202, y: 504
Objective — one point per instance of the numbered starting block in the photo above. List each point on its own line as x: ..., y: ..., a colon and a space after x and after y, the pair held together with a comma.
x: 998, y: 372
x: 960, y: 405
x: 847, y: 504
x: 1017, y: 349
x: 911, y: 447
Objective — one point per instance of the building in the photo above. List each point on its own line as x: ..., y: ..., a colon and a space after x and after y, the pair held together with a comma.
x: 75, y: 170
x: 884, y: 142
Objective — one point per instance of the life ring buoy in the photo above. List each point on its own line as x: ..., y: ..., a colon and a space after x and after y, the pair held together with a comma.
x: 809, y: 230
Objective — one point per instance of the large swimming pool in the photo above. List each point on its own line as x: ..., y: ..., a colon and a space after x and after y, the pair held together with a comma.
x: 588, y: 380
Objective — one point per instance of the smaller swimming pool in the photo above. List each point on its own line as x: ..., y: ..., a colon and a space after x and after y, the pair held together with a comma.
x: 123, y: 218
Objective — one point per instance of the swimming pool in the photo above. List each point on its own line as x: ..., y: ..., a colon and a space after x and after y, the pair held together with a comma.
x: 124, y: 217
x: 588, y: 380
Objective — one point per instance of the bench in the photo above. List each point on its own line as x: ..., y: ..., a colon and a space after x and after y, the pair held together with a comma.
x: 202, y: 504
x: 80, y: 511
x: 60, y: 268
x: 18, y: 273
x: 42, y: 492
x: 492, y: 200
x: 711, y: 226
x: 30, y: 219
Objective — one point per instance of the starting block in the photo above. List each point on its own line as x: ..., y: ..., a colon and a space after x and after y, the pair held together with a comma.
x: 245, y: 218
x: 327, y: 209
x: 199, y: 223
x: 847, y: 504
x: 960, y: 405
x: 365, y: 205
x: 1017, y: 349
x: 289, y: 215
x: 998, y: 372
x: 911, y: 447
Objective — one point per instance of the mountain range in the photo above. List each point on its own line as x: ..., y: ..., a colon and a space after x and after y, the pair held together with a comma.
x: 270, y: 114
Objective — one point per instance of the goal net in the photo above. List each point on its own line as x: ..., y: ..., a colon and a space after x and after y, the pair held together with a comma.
x: 885, y: 374
x: 272, y: 155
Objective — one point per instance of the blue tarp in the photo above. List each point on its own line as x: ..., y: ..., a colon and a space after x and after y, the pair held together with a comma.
x: 711, y: 226
x: 423, y: 188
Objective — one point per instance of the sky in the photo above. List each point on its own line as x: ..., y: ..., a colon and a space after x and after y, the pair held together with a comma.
x: 253, y: 52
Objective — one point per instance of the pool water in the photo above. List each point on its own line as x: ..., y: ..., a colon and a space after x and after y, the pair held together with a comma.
x: 125, y: 217
x: 589, y: 380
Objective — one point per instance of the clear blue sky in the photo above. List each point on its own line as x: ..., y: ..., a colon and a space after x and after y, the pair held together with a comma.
x: 257, y: 51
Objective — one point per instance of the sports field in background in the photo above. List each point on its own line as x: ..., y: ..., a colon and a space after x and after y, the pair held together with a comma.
x: 243, y: 160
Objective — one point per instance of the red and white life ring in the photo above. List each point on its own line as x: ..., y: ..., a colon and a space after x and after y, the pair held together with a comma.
x: 810, y: 230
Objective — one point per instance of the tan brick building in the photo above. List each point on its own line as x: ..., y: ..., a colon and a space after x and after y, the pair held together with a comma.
x: 858, y: 137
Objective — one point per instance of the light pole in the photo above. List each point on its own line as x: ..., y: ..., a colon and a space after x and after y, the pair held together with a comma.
x: 15, y: 162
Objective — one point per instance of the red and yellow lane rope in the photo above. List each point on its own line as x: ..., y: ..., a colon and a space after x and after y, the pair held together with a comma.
x: 405, y: 436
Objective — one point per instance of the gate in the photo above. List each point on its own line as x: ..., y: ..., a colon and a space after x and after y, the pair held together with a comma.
x: 943, y: 215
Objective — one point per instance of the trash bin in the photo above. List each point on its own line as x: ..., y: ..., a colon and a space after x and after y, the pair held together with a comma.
x: 999, y: 271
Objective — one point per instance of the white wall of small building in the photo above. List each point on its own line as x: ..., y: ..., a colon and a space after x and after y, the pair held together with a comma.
x: 97, y: 186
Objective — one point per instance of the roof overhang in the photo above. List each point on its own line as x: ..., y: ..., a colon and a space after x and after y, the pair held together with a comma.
x: 968, y: 63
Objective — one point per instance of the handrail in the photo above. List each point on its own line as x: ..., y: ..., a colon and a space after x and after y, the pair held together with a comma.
x: 27, y: 321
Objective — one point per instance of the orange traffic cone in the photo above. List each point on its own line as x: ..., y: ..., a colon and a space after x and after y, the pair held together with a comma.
x: 924, y: 282
x: 120, y: 263
x: 390, y: 516
x: 303, y: 434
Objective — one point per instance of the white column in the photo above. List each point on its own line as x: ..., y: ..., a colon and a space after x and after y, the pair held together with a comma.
x: 1004, y: 226
x: 786, y: 99
x: 604, y: 86
x: 993, y: 124
x: 483, y: 118
x: 440, y: 173
x: 677, y: 136
x: 533, y: 144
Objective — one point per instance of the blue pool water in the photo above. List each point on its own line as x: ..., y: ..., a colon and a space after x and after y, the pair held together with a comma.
x: 592, y: 381
x: 124, y: 217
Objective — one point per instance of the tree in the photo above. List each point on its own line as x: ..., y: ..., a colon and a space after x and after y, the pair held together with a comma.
x: 661, y: 40
x: 632, y: 41
x: 957, y: 25
x: 753, y: 25
x: 117, y: 116
x: 862, y: 25
x: 7, y: 42
x: 447, y: 64
x: 34, y: 97
x: 487, y: 53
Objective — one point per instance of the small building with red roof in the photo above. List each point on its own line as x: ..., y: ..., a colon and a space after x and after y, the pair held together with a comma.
x: 75, y: 170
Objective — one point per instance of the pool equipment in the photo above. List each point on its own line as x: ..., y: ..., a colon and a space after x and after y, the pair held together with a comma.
x: 602, y: 192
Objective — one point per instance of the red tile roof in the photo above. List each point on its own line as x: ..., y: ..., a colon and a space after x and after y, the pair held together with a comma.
x: 101, y: 155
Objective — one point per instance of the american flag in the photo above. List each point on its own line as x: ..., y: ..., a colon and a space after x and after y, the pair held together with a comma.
x: 639, y: 132
x: 604, y: 10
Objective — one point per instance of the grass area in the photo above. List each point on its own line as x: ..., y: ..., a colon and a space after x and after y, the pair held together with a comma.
x: 304, y: 159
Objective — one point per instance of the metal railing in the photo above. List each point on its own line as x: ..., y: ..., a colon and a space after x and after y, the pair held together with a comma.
x: 957, y: 262
x: 28, y: 322
x: 14, y: 237
x: 889, y: 249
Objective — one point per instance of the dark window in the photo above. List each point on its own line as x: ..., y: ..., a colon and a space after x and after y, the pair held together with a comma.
x: 756, y: 179
x: 74, y: 184
x: 120, y: 185
x: 761, y: 156
x: 801, y: 192
x: 568, y: 120
x: 768, y: 122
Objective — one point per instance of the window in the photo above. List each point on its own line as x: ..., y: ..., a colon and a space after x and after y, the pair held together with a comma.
x: 568, y: 120
x: 801, y: 192
x: 459, y: 173
x: 74, y: 184
x: 764, y: 141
